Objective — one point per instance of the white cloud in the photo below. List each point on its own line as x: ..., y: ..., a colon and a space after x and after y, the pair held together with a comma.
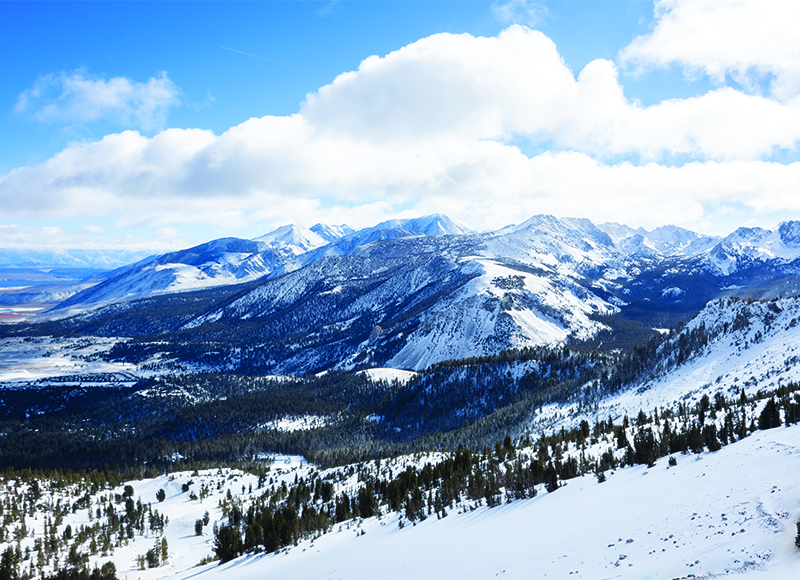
x: 79, y: 97
x: 528, y: 12
x: 517, y: 84
x: 749, y: 40
x: 432, y: 127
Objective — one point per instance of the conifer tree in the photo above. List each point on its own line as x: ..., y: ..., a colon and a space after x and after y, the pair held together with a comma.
x: 770, y: 416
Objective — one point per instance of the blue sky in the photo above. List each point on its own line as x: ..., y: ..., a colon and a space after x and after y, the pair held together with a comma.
x: 161, y: 125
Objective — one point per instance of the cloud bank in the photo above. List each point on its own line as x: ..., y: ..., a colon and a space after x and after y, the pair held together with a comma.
x: 444, y: 124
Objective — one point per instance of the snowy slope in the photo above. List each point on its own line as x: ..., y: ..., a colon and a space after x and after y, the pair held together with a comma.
x: 232, y: 260
x: 409, y: 293
x: 752, y: 346
x: 331, y: 233
x: 501, y: 308
x: 431, y: 225
x: 756, y: 346
x: 729, y: 512
x: 571, y: 247
x: 293, y: 239
x: 216, y: 263
x: 406, y: 309
x: 354, y: 241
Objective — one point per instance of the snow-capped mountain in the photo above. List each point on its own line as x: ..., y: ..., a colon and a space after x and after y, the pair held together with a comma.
x: 216, y: 263
x: 332, y: 233
x: 95, y: 259
x: 233, y: 260
x: 570, y: 247
x: 295, y: 239
x: 749, y: 246
x: 432, y: 225
x: 394, y: 295
x: 660, y: 242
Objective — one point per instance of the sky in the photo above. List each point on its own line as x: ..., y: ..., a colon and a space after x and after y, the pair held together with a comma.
x: 157, y: 126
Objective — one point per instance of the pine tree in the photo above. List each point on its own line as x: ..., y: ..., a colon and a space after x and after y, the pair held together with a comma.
x: 770, y: 416
x: 551, y: 478
x: 227, y: 543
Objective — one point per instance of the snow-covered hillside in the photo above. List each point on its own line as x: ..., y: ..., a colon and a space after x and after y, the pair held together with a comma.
x: 752, y: 245
x: 751, y: 347
x: 732, y: 511
x: 501, y: 308
x: 714, y: 514
x: 613, y: 255
x: 232, y: 260
x: 410, y: 293
x: 216, y: 263
x: 408, y: 311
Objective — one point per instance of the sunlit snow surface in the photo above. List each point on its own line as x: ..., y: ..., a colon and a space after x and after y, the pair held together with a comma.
x: 756, y: 357
x: 501, y: 307
x: 726, y: 513
x: 40, y: 358
x: 389, y: 375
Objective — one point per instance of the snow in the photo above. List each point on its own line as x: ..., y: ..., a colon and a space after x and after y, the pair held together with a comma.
x: 294, y: 238
x: 431, y: 225
x: 295, y: 423
x: 663, y: 241
x: 389, y: 375
x: 755, y: 358
x: 714, y: 513
x: 500, y: 307
x: 25, y: 360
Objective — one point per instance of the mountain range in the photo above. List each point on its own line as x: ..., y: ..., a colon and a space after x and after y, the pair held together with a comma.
x: 411, y: 293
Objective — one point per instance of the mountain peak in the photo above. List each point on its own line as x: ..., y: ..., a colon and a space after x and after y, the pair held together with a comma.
x: 431, y: 225
x: 332, y: 233
x: 292, y: 235
x: 790, y: 234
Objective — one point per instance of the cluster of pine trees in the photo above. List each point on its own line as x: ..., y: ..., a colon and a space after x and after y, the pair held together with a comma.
x: 466, y: 479
x: 59, y: 550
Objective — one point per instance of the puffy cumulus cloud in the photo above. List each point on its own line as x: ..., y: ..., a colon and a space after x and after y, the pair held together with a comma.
x: 750, y: 40
x: 432, y: 127
x: 517, y: 84
x: 79, y: 97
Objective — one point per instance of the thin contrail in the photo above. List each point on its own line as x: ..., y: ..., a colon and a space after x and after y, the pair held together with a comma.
x: 248, y: 54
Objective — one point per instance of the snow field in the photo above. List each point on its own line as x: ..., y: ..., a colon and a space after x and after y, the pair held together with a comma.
x: 186, y: 549
x: 41, y: 358
x: 713, y: 515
